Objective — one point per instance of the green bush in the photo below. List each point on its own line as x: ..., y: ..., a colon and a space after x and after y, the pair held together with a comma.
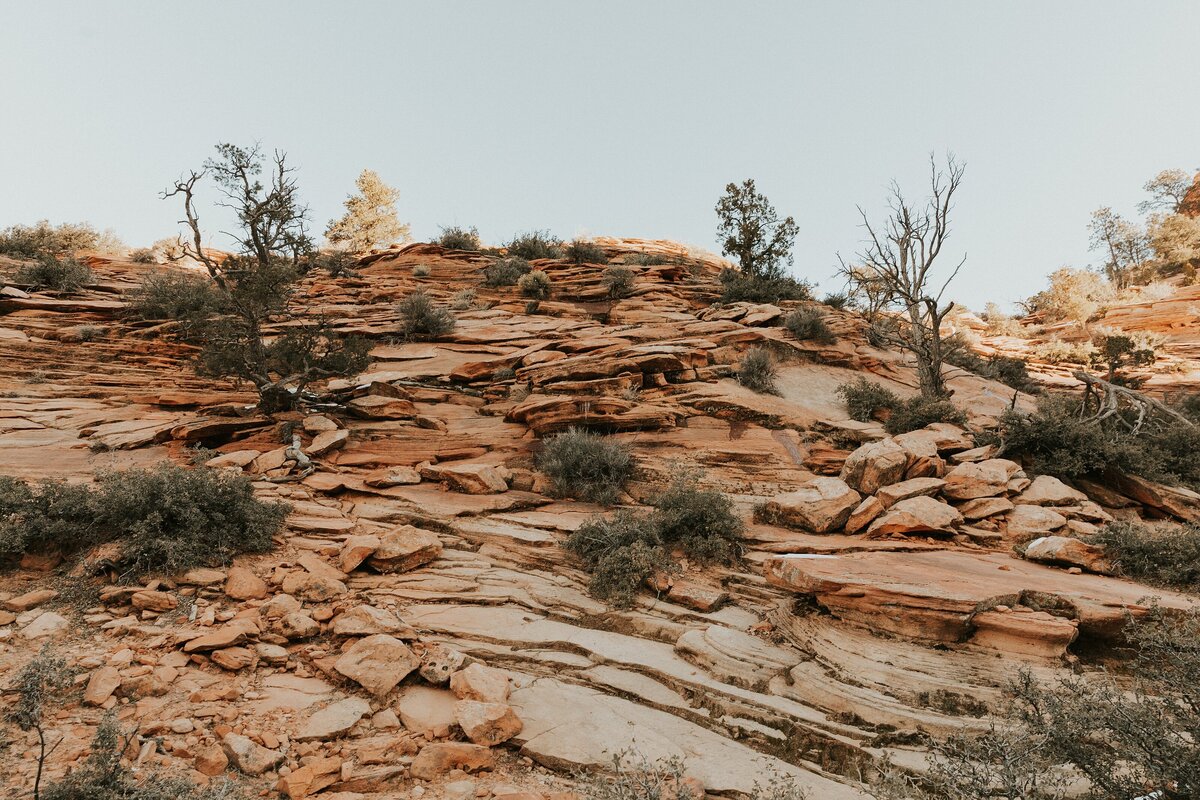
x: 175, y: 295
x: 505, y: 272
x: 1057, y: 440
x: 621, y: 552
x: 1167, y: 555
x: 586, y: 466
x: 618, y: 281
x: 701, y: 522
x: 64, y: 275
x: 535, y: 244
x: 584, y: 252
x: 43, y: 239
x: 165, y: 519
x: 419, y: 314
x: 456, y: 238
x: 809, y: 323
x: 917, y: 412
x: 757, y: 371
x: 536, y: 285
x: 738, y: 287
x: 865, y: 399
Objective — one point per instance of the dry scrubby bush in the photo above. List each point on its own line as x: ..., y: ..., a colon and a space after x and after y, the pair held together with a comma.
x: 624, y: 550
x: 175, y: 295
x: 64, y: 275
x: 633, y: 776
x: 758, y: 371
x: 809, y: 323
x: 535, y: 244
x: 44, y: 239
x: 420, y: 315
x: 586, y: 466
x: 618, y: 281
x: 535, y: 284
x: 164, y: 519
x: 143, y: 255
x: 1008, y: 370
x: 585, y: 252
x: 456, y: 238
x: 421, y: 271
x: 463, y: 300
x: 103, y: 776
x: 837, y: 300
x: 1057, y: 440
x: 1167, y: 555
x: 644, y: 260
x: 1060, y: 351
x: 505, y: 272
x: 740, y: 287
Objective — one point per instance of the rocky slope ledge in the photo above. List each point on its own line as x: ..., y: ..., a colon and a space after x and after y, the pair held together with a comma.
x: 420, y: 628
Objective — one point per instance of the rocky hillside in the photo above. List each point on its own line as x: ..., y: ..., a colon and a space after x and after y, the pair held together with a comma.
x: 420, y: 630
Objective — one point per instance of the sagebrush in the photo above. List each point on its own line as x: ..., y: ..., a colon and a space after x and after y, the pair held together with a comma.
x: 586, y: 466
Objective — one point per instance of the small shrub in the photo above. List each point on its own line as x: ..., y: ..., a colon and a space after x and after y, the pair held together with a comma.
x: 837, y: 300
x: 618, y: 281
x: 456, y: 238
x: 463, y: 300
x: 738, y: 287
x: 621, y: 552
x: 758, y: 371
x: 143, y: 255
x: 535, y: 244
x: 644, y: 260
x: 1059, y: 351
x: 338, y: 263
x: 1008, y: 370
x: 865, y: 399
x: 586, y: 466
x: 419, y: 314
x: 917, y: 412
x: 64, y: 275
x: 809, y: 323
x: 536, y: 284
x: 175, y: 295
x: 584, y: 252
x: 505, y: 272
x: 89, y: 332
x: 1167, y: 555
x: 421, y: 271
x: 165, y: 519
x: 701, y: 522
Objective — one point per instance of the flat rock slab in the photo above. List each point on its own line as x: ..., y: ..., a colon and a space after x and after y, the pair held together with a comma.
x: 571, y: 727
x: 933, y: 596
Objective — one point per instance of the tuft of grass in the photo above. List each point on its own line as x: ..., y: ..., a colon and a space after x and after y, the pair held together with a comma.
x: 419, y: 314
x: 535, y: 285
x: 758, y: 371
x: 809, y: 323
x: 586, y: 466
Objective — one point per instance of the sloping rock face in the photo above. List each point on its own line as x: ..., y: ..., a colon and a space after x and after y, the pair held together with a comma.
x: 420, y: 615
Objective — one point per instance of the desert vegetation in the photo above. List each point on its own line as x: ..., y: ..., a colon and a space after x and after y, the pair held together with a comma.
x: 370, y: 220
x: 421, y: 315
x: 586, y: 466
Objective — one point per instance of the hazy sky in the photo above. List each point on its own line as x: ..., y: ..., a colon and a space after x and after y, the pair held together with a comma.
x: 623, y: 118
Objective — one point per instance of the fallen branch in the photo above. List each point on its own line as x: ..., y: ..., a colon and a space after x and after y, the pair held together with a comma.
x: 1108, y: 402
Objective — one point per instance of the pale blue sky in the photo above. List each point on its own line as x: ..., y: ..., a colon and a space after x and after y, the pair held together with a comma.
x: 623, y: 118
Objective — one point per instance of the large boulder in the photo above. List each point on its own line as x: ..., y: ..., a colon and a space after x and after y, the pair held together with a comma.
x: 980, y: 479
x: 1030, y: 521
x: 875, y: 464
x: 916, y: 515
x: 334, y: 720
x: 404, y: 549
x: 1071, y: 552
x: 377, y: 663
x: 1047, y: 490
x: 913, y: 487
x: 820, y: 506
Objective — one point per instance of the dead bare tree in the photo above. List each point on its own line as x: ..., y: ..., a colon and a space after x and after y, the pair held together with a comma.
x: 1105, y: 400
x: 895, y: 268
